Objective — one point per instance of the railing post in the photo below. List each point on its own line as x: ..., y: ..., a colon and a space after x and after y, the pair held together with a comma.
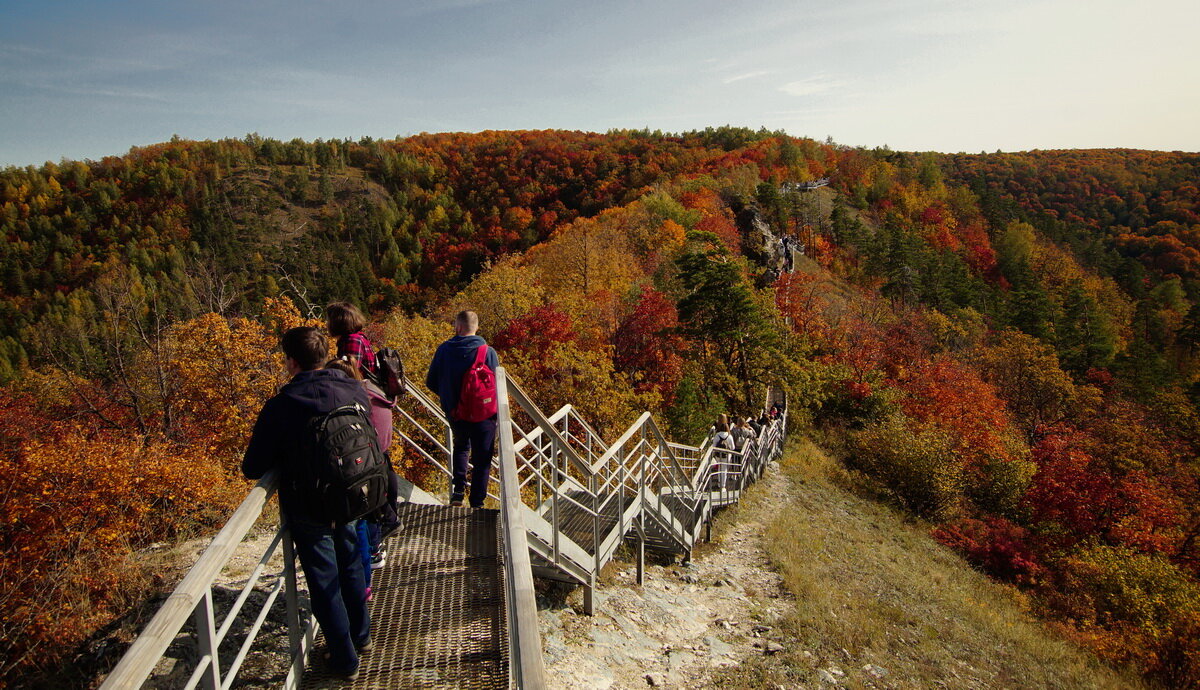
x: 206, y: 636
x: 292, y: 603
x: 595, y: 525
x: 557, y: 496
x: 641, y: 554
x: 589, y: 596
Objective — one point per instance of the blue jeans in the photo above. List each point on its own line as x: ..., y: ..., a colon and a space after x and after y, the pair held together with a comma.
x: 336, y: 587
x: 476, y: 440
x: 365, y: 549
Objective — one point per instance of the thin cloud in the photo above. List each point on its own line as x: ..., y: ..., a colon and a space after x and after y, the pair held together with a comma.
x: 811, y: 86
x: 748, y: 75
x: 119, y: 94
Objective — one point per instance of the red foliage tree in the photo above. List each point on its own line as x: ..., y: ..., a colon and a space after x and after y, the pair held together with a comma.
x: 647, y: 346
x: 1072, y: 495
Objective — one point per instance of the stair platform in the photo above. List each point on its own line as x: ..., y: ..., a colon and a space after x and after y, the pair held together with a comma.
x: 438, y: 616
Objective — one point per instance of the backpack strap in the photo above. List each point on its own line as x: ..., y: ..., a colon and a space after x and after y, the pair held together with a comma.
x: 481, y: 354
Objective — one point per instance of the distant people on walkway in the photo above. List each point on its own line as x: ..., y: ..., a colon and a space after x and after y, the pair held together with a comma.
x: 472, y: 438
x: 743, y: 433
x: 328, y: 549
x: 725, y: 443
x: 345, y: 322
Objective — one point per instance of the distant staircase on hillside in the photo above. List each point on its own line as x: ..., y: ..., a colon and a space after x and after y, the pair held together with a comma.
x: 804, y: 186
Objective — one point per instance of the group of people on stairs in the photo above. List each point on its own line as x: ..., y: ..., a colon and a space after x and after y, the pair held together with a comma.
x: 733, y: 436
x: 337, y: 555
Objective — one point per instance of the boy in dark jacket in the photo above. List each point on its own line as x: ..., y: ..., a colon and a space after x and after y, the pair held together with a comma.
x: 328, y: 551
x: 476, y: 440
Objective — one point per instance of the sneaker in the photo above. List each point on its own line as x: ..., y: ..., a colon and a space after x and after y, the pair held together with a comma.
x: 456, y: 503
x: 379, y: 560
x: 366, y: 646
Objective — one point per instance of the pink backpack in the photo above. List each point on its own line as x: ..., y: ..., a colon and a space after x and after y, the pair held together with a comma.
x: 477, y: 397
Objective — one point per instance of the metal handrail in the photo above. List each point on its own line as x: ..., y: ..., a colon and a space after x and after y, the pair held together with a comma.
x: 560, y: 453
x: 192, y: 599
x: 525, y: 645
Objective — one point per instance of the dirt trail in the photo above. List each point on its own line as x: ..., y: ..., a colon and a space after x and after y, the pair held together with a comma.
x: 687, y: 621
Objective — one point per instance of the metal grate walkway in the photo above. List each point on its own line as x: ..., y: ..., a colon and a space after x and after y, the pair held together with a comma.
x: 438, y: 616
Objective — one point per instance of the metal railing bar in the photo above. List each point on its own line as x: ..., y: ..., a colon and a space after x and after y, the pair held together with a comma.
x: 198, y: 674
x: 236, y: 664
x: 420, y: 427
x: 525, y: 658
x: 231, y: 617
x: 143, y: 655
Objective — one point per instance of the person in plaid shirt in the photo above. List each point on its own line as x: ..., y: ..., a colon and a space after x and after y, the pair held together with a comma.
x: 345, y: 322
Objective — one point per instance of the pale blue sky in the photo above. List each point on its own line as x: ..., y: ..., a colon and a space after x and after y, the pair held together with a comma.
x: 88, y: 79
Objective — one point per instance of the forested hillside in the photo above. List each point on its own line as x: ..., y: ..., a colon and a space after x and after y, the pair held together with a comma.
x: 1005, y: 343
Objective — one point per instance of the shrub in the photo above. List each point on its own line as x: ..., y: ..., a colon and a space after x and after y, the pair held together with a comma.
x: 995, y: 546
x: 916, y: 462
x: 75, y: 509
x: 1154, y: 603
x: 857, y: 403
x: 1003, y: 481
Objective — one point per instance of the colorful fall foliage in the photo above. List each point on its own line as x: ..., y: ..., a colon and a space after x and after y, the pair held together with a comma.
x: 1006, y: 344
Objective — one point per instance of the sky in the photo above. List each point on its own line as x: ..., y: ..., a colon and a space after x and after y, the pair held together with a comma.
x: 83, y: 80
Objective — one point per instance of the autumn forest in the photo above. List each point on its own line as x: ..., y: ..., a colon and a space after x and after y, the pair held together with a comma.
x: 1005, y: 345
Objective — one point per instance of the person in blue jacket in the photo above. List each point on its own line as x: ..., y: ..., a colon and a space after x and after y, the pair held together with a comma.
x: 328, y: 550
x: 474, y: 440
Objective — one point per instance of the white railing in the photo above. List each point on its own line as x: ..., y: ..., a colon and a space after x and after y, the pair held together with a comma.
x: 546, y: 465
x: 524, y: 637
x: 193, y: 599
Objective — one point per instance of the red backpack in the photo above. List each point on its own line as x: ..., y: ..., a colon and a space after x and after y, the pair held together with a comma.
x: 477, y: 397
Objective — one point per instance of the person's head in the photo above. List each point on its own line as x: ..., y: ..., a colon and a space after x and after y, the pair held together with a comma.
x: 723, y: 419
x: 466, y: 323
x: 722, y: 426
x: 344, y: 366
x: 343, y: 318
x: 305, y: 348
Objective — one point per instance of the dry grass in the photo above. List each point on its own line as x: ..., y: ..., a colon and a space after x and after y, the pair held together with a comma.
x: 872, y: 587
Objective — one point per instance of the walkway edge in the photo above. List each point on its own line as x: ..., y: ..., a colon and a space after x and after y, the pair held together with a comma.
x: 525, y: 639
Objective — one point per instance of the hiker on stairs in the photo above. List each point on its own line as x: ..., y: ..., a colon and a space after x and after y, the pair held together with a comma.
x: 327, y: 546
x: 456, y: 364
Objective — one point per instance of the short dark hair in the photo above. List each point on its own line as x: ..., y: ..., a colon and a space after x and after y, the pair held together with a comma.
x: 467, y: 318
x: 307, y: 345
x: 343, y: 318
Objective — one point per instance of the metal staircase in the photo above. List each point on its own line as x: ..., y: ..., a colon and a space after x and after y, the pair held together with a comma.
x: 456, y: 608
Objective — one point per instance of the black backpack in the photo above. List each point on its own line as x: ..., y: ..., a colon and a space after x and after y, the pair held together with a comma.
x: 389, y: 373
x: 342, y: 474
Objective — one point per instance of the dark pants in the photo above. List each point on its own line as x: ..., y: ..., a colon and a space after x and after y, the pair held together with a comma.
x: 334, y: 571
x: 477, y: 441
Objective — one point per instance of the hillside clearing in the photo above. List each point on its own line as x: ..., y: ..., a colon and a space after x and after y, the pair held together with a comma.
x: 880, y: 601
x: 808, y: 585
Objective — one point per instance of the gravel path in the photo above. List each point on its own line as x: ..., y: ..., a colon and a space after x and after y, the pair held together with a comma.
x: 687, y: 621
